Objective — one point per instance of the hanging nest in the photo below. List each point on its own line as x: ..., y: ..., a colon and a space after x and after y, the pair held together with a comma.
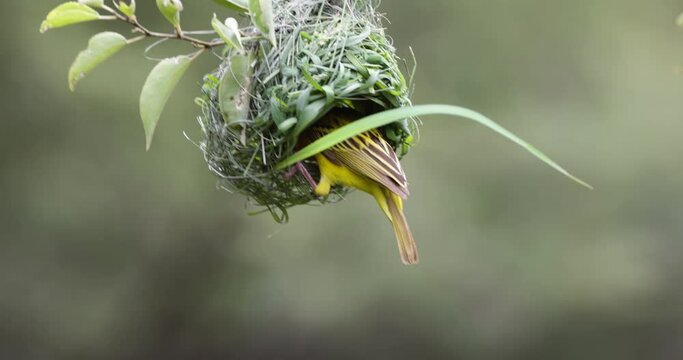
x: 259, y: 102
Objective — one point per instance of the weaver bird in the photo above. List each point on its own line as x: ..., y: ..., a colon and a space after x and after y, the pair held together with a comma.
x: 366, y: 162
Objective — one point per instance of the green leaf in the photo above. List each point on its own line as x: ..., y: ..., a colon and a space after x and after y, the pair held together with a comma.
x: 679, y: 21
x: 241, y: 6
x: 126, y: 9
x: 158, y: 88
x: 68, y: 14
x: 171, y: 10
x: 390, y: 116
x: 234, y: 88
x: 92, y: 3
x: 287, y: 125
x: 261, y: 12
x: 310, y: 114
x: 100, y: 48
x: 229, y: 32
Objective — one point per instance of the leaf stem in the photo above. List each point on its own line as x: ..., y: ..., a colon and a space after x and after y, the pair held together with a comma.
x: 136, y: 39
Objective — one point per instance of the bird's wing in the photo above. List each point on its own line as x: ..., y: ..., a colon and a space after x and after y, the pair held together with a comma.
x: 370, y: 155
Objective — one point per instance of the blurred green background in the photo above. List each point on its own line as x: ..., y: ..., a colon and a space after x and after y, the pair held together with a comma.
x: 110, y: 252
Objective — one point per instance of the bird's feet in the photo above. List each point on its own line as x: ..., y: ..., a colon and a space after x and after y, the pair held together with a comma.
x: 299, y: 168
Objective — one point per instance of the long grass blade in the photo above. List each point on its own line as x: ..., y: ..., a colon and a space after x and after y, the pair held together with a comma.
x: 390, y: 116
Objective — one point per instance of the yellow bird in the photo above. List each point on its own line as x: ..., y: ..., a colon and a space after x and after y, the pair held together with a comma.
x: 366, y: 162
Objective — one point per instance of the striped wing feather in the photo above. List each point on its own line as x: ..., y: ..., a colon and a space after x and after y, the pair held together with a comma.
x: 370, y: 155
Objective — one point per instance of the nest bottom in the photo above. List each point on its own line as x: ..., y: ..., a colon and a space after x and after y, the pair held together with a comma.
x: 244, y: 157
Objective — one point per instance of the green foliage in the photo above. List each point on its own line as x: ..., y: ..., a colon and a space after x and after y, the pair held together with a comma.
x: 68, y: 14
x: 233, y: 92
x: 229, y: 32
x: 679, y: 21
x: 100, y: 48
x: 171, y: 10
x: 92, y: 3
x: 163, y: 77
x: 127, y: 9
x: 158, y: 88
x: 262, y: 16
x: 241, y: 6
x: 310, y: 114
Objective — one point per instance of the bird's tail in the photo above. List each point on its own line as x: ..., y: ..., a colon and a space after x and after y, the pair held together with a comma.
x: 406, y: 243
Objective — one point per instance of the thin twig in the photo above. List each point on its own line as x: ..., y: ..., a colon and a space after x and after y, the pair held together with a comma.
x: 178, y: 35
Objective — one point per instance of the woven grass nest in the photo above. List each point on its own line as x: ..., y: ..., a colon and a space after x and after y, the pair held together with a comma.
x: 259, y: 102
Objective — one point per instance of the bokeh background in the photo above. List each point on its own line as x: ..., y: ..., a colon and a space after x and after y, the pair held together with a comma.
x: 111, y: 252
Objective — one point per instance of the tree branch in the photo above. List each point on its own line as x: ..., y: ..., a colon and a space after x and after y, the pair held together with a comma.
x: 178, y: 35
